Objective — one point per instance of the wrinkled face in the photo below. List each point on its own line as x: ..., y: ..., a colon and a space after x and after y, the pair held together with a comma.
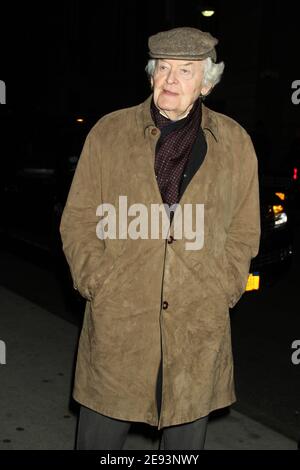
x: 176, y: 86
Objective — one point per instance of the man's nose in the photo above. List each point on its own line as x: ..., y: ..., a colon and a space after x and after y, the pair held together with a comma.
x: 171, y: 77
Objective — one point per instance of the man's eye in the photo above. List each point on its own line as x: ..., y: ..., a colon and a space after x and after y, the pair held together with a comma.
x: 162, y: 67
x: 185, y: 71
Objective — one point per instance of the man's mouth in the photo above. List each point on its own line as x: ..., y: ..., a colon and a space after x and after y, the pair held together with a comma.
x: 169, y: 93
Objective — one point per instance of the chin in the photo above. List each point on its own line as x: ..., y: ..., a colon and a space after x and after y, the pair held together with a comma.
x: 167, y: 103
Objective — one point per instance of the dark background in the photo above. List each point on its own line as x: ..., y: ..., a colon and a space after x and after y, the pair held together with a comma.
x: 88, y: 58
x: 63, y: 60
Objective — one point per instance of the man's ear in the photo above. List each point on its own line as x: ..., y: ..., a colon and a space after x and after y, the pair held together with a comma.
x: 205, y: 90
x: 151, y: 81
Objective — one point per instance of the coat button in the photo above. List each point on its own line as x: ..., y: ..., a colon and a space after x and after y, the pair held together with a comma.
x: 165, y: 304
x: 154, y: 131
x: 170, y: 239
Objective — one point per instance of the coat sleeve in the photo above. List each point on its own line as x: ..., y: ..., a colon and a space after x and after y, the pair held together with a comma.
x: 243, y: 238
x: 84, y: 251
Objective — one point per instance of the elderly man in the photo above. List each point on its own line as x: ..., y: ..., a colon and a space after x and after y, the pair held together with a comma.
x: 155, y: 345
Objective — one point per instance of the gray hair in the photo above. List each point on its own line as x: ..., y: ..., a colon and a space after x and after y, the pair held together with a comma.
x: 212, y: 72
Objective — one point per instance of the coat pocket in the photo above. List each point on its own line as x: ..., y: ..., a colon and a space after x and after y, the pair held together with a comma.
x: 100, y: 277
x: 230, y: 283
x: 220, y: 273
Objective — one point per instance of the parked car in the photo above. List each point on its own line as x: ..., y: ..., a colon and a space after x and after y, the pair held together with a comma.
x: 276, y: 244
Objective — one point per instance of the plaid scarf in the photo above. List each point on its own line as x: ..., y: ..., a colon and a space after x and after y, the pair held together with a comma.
x: 173, y: 149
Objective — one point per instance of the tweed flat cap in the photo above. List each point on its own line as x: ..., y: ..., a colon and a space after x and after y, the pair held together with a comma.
x: 183, y: 43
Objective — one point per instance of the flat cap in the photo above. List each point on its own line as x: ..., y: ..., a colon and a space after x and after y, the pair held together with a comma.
x: 183, y: 43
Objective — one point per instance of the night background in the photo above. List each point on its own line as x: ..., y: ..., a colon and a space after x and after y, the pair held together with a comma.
x: 65, y: 65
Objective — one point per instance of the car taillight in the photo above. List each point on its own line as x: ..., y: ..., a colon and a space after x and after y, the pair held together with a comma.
x: 277, y: 209
x: 281, y: 196
x: 295, y: 174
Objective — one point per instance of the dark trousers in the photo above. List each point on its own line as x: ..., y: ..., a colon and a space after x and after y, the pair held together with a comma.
x: 99, y: 432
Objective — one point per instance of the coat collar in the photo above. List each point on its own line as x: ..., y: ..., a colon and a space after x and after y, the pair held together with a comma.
x: 208, y: 122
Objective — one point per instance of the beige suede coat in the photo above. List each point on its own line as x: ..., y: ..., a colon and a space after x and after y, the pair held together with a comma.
x: 153, y: 298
